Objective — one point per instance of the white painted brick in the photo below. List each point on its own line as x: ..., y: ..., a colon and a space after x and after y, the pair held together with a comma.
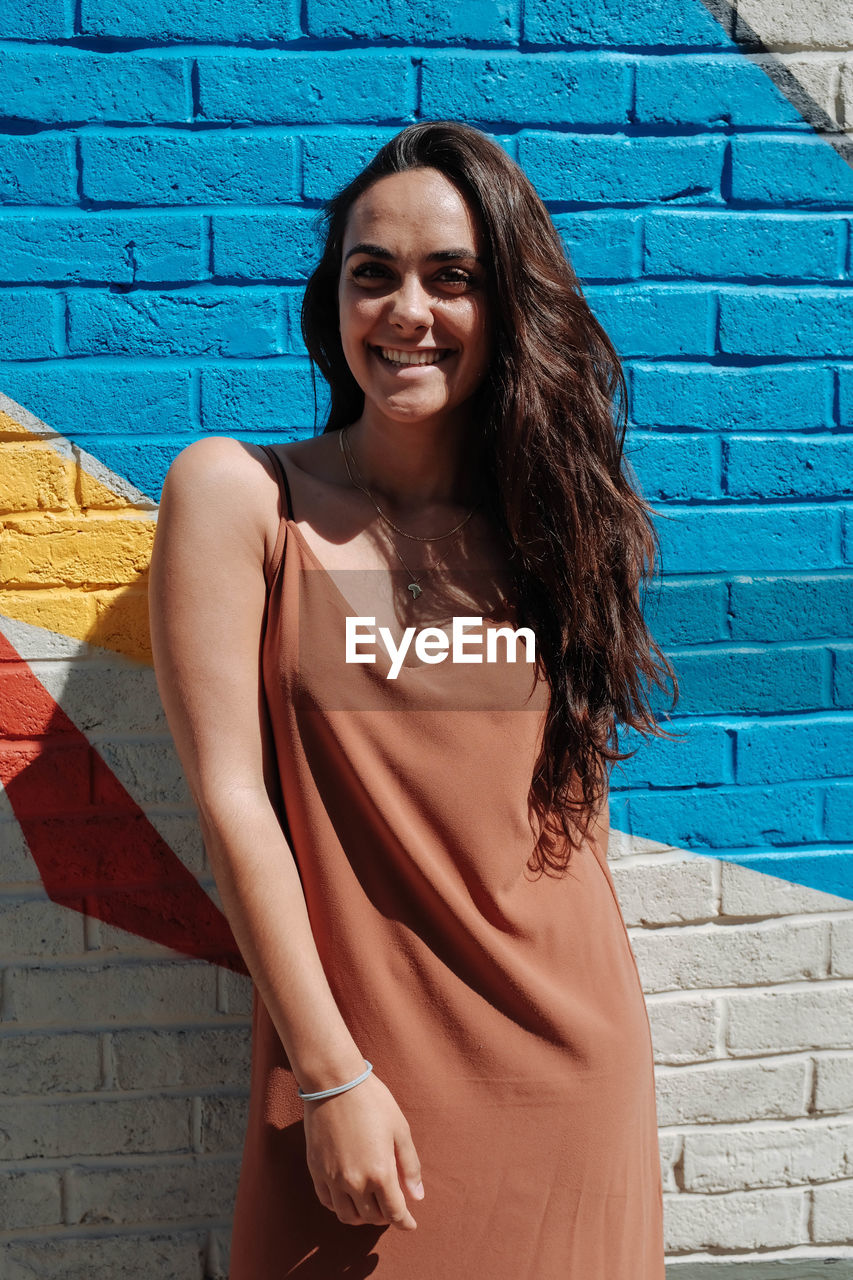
x: 845, y: 91
x: 16, y: 862
x: 223, y: 1123
x: 822, y: 24
x: 52, y: 1062
x: 782, y: 1155
x: 842, y: 947
x: 754, y: 1219
x: 785, y: 1021
x: 669, y: 893
x: 116, y: 697
x: 93, y: 1126
x: 167, y: 1256
x: 235, y: 993
x: 29, y: 1199
x: 716, y: 955
x: 150, y: 771
x: 725, y: 1092
x: 746, y: 892
x: 149, y: 1192
x: 206, y: 1057
x: 834, y: 1086
x: 670, y: 1153
x: 817, y: 76
x: 832, y: 1214
x: 102, y: 994
x: 682, y: 1030
x: 35, y: 926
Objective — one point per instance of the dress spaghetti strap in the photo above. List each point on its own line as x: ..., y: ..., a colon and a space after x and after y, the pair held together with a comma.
x: 281, y: 475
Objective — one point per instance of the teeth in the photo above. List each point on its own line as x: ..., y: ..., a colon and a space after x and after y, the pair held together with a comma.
x: 412, y: 357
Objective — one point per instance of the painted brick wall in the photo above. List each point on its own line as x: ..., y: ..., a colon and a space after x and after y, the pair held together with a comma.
x: 161, y: 166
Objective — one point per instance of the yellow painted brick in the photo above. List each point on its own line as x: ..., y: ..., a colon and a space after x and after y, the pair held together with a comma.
x: 34, y: 477
x: 94, y: 494
x: 69, y: 613
x: 121, y: 622
x: 101, y: 549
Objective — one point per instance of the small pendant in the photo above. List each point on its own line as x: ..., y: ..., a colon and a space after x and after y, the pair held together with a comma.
x: 415, y: 590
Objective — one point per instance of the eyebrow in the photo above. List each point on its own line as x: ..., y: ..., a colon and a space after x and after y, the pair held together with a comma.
x: 441, y: 255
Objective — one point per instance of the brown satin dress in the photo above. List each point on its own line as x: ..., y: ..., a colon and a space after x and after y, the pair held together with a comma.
x: 503, y: 1009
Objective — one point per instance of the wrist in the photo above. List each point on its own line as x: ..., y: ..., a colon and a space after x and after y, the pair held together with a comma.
x: 330, y: 1072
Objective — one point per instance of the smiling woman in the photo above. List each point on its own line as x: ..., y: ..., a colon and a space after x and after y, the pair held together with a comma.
x: 448, y: 1019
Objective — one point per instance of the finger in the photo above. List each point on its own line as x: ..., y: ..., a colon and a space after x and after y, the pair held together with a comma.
x: 392, y: 1205
x: 345, y: 1207
x: 409, y: 1166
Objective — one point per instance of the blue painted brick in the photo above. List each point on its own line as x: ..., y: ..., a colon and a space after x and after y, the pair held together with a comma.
x: 37, y: 169
x: 65, y: 85
x: 789, y: 170
x: 329, y: 161
x: 313, y: 87
x: 727, y: 244
x: 790, y: 467
x: 827, y: 870
x: 786, y: 322
x: 265, y: 246
x: 592, y: 169
x: 38, y: 19
x: 332, y: 160
x: 209, y: 322
x: 702, y: 753
x: 689, y: 612
x: 203, y: 168
x: 675, y: 468
x: 187, y: 21
x: 754, y: 681
x: 847, y: 535
x: 842, y: 684
x: 730, y: 817
x: 721, y: 89
x: 709, y: 540
x: 792, y: 608
x: 74, y: 396
x: 144, y: 460
x: 274, y: 396
x: 547, y: 88
x: 102, y: 247
x: 782, y: 398
x: 845, y: 397
x: 295, y: 345
x: 617, y: 22
x: 838, y: 812
x: 415, y: 21
x: 29, y: 324
x: 655, y: 320
x: 601, y: 245
x: 785, y: 750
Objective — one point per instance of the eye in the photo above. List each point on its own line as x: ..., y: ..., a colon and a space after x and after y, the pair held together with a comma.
x: 369, y: 271
x: 455, y: 275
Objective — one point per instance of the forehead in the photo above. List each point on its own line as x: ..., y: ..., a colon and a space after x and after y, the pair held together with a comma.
x: 416, y: 209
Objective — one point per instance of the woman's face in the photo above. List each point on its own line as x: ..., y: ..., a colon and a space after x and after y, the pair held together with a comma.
x: 412, y: 297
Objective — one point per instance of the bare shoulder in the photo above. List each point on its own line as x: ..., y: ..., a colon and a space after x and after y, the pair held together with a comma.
x: 219, y: 463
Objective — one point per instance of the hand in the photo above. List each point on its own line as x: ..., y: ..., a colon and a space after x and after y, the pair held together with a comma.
x: 361, y: 1156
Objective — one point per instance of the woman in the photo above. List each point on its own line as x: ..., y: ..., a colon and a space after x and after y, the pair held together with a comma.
x: 410, y: 840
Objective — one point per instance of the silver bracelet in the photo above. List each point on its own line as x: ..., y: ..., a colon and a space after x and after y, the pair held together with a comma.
x: 341, y: 1088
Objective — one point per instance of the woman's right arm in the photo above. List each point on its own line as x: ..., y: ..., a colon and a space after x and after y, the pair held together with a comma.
x: 207, y: 595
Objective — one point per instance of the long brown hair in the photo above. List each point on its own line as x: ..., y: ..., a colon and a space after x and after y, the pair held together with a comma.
x: 552, y: 412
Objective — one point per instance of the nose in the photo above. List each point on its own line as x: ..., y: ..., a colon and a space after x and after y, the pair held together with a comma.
x: 410, y: 305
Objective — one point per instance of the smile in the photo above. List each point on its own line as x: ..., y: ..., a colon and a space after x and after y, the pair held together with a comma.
x: 395, y: 356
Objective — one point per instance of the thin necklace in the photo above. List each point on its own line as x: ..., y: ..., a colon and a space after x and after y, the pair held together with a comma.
x: 438, y: 537
x: 413, y: 586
